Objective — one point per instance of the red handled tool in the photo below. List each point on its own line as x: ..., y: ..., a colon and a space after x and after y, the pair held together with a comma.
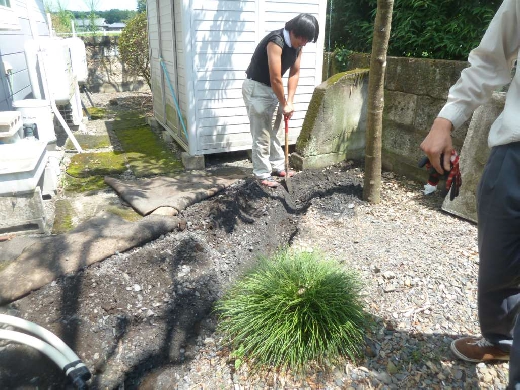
x: 287, y: 180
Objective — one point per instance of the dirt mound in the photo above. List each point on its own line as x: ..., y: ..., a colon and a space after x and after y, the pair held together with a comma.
x: 141, y: 311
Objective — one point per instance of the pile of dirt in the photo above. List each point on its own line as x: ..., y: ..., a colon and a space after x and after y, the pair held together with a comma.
x: 143, y: 309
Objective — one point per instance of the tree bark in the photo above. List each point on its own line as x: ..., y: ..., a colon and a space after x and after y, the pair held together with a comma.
x: 376, y: 82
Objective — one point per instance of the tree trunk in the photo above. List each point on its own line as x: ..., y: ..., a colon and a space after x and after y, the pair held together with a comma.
x: 376, y: 82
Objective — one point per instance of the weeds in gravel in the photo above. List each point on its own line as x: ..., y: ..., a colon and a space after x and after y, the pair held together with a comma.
x: 292, y: 310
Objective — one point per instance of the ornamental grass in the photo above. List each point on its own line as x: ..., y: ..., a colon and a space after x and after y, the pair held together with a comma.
x: 293, y: 310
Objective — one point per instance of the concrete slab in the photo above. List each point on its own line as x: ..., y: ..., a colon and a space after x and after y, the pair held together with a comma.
x: 12, y: 246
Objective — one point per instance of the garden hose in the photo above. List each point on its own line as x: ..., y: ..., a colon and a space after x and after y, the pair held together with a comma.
x: 50, y: 345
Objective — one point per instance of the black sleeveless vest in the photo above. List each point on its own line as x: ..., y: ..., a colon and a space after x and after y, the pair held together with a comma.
x: 258, y: 69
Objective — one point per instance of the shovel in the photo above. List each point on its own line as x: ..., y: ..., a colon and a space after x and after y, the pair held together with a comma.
x: 286, y: 181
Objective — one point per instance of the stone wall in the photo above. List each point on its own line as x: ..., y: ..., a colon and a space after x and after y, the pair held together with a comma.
x: 335, y: 123
x: 106, y: 72
x: 415, y: 91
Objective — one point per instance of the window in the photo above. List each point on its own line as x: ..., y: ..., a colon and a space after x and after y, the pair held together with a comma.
x: 8, y: 17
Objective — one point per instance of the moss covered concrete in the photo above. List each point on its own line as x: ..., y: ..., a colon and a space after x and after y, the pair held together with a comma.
x: 335, y: 116
x: 63, y: 217
x: 89, y: 141
x: 127, y: 213
x: 143, y: 152
x: 86, y: 171
x: 97, y: 112
x: 96, y: 164
x: 311, y: 116
x: 87, y: 184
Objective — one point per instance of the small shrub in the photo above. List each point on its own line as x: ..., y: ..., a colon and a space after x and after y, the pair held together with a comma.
x: 292, y: 310
x: 133, y: 47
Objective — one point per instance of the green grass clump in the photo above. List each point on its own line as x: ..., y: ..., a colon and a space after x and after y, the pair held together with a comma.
x: 293, y: 310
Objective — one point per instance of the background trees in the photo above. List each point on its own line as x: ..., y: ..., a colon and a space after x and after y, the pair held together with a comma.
x: 60, y: 17
x: 442, y: 29
x: 111, y: 16
x: 133, y: 47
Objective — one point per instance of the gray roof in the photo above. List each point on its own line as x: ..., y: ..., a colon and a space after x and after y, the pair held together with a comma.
x: 99, y: 22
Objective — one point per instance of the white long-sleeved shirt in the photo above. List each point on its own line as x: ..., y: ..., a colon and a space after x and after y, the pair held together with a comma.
x: 490, y: 68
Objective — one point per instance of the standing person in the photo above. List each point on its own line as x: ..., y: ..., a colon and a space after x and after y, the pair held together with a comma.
x: 498, y: 194
x: 263, y: 91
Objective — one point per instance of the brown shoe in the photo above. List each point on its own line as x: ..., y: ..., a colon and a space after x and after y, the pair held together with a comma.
x: 476, y: 350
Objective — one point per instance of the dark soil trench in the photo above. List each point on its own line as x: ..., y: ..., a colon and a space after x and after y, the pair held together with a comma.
x: 140, y: 312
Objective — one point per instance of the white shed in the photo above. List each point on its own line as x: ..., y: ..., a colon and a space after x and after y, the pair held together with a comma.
x: 199, y: 52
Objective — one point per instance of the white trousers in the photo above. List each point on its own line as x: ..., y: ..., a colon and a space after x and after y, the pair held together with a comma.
x: 267, y: 152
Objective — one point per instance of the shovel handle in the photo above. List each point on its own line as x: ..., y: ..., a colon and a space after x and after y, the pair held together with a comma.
x: 286, y: 119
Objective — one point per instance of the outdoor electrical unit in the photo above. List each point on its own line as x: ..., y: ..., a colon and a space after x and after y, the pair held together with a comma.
x: 199, y: 52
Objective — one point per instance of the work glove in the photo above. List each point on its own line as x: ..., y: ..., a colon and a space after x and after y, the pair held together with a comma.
x: 453, y: 177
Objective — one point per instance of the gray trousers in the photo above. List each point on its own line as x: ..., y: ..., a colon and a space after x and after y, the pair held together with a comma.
x: 267, y: 153
x: 499, y: 251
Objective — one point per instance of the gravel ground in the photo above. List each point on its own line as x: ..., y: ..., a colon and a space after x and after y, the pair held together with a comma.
x: 142, y: 319
x: 420, y: 268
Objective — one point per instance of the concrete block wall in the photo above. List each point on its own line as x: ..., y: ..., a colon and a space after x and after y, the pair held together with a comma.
x: 106, y: 72
x: 415, y: 91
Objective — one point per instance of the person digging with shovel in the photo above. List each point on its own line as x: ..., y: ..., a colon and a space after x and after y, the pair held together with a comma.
x: 263, y: 92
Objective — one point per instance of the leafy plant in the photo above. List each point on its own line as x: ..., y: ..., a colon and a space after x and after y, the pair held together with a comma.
x: 141, y: 6
x: 133, y: 47
x: 443, y: 29
x: 292, y: 310
x: 341, y: 55
x: 60, y: 17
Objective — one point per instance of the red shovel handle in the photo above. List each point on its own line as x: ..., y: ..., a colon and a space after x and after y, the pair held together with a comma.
x: 286, y: 119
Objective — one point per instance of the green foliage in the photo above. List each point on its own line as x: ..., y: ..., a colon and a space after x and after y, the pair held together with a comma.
x: 110, y: 16
x: 443, y: 29
x: 341, y: 55
x: 117, y: 15
x: 60, y: 17
x: 293, y: 310
x: 133, y: 47
x: 141, y: 6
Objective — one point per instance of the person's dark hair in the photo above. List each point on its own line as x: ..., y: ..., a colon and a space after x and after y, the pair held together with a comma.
x: 305, y: 26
